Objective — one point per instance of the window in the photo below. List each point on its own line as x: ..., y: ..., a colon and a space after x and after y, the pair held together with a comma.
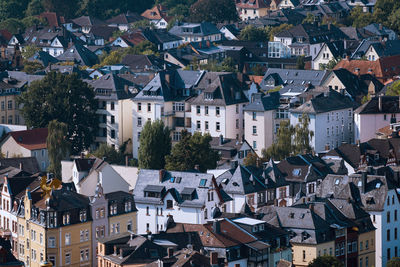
x: 237, y: 109
x: 254, y: 130
x: 68, y: 258
x: 197, y: 109
x: 388, y: 235
x: 139, y: 122
x: 128, y: 206
x: 304, y: 255
x: 139, y: 106
x: 112, y: 134
x: 366, y: 244
x: 3, y: 106
x: 217, y: 126
x: 178, y: 106
x: 395, y: 215
x: 169, y: 204
x: 388, y: 216
x: 66, y: 218
x: 395, y: 233
x: 237, y: 123
x: 113, y: 209
x: 82, y: 235
x: 217, y: 111
x: 198, y: 125
x: 148, y: 107
x: 112, y: 119
x: 206, y: 110
x: 67, y: 239
x: 112, y: 106
x: 206, y: 125
x: 10, y: 104
x: 254, y: 116
x: 388, y: 254
x: 203, y: 182
x: 147, y: 211
x: 83, y: 215
x: 52, y: 242
x: 254, y: 144
x: 129, y: 226
x: 10, y: 119
x: 41, y: 238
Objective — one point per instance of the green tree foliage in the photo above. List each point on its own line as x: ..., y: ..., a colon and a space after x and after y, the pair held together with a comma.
x: 110, y: 154
x: 29, y: 51
x: 35, y: 7
x: 278, y: 29
x: 253, y: 160
x: 57, y: 146
x: 393, y: 262
x: 303, y: 135
x: 330, y: 65
x: 252, y: 33
x: 310, y: 18
x: 283, y: 147
x: 359, y: 18
x: 300, y: 63
x: 67, y: 99
x: 190, y: 151
x: 143, y: 48
x: 214, y: 11
x: 144, y: 23
x: 31, y: 67
x: 326, y: 261
x: 227, y: 65
x: 12, y: 25
x: 12, y: 8
x: 67, y: 9
x: 155, y: 145
x: 394, y: 89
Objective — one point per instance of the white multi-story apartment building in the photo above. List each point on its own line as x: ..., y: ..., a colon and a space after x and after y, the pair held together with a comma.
x: 218, y: 109
x: 188, y: 197
x: 331, y: 120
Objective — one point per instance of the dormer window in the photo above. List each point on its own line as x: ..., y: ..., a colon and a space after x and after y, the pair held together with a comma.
x: 255, y: 228
x: 208, y: 96
x: 128, y: 206
x: 83, y: 215
x: 113, y: 209
x: 66, y: 218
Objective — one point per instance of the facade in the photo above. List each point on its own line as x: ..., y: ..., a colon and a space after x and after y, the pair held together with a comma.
x: 28, y: 143
x: 197, y: 32
x: 331, y: 120
x: 9, y: 110
x: 377, y: 113
x: 251, y: 10
x: 188, y: 197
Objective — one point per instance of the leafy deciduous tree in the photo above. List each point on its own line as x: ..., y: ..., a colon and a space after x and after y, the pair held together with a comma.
x: 67, y: 99
x: 303, y: 135
x: 282, y: 148
x: 393, y: 262
x: 155, y: 145
x: 109, y: 153
x: 214, y: 11
x: 57, y: 146
x: 326, y: 261
x: 252, y: 33
x: 190, y: 151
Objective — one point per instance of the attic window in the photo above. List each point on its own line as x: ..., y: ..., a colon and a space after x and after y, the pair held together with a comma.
x: 172, y: 180
x: 337, y: 181
x: 178, y: 180
x: 296, y: 172
x: 235, y: 184
x: 291, y: 215
x: 359, y: 183
x: 378, y: 185
x: 203, y: 182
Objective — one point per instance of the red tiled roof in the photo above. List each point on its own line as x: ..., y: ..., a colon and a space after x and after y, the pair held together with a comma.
x: 31, y: 139
x: 157, y: 12
x: 134, y: 38
x: 256, y: 79
x: 253, y: 4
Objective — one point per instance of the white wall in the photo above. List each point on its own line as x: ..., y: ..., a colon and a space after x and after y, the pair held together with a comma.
x: 366, y: 125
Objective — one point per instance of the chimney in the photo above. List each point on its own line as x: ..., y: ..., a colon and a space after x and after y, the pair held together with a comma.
x: 234, y: 164
x: 214, y: 258
x: 126, y: 160
x: 170, y: 252
x: 161, y: 175
x: 216, y: 227
x: 221, y: 140
x: 380, y: 103
x: 364, y: 176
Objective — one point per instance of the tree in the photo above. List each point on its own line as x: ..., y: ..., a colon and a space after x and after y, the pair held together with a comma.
x: 326, y: 261
x: 359, y: 18
x: 258, y: 70
x: 252, y: 33
x: 29, y: 51
x: 143, y: 48
x: 252, y: 160
x: 394, y: 89
x: 393, y: 262
x: 310, y: 18
x: 282, y: 148
x: 12, y: 8
x: 12, y: 25
x: 214, y: 11
x: 67, y: 9
x: 31, y: 67
x: 190, y: 151
x: 67, y: 99
x: 302, y: 135
x: 144, y: 23
x: 35, y: 8
x: 330, y: 65
x: 300, y: 64
x: 155, y: 144
x: 57, y: 146
x: 109, y: 154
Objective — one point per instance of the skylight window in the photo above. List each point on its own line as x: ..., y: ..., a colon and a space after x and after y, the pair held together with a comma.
x: 378, y: 185
x: 337, y: 181
x: 296, y: 172
x: 359, y: 183
x: 203, y: 182
x: 172, y: 180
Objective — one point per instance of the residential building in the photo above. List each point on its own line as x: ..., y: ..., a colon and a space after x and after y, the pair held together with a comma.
x: 85, y: 23
x: 366, y: 5
x: 28, y: 143
x: 80, y: 55
x: 123, y: 21
x: 378, y: 50
x: 218, y: 109
x: 10, y: 113
x: 375, y: 114
x: 189, y: 197
x: 252, y: 9
x: 262, y: 119
x: 376, y: 195
x: 196, y: 32
x: 331, y: 120
x: 114, y: 93
x: 381, y: 31
x: 157, y: 15
x: 329, y: 52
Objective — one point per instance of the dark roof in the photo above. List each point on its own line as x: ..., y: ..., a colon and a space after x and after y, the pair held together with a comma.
x: 264, y: 102
x: 31, y: 139
x: 325, y: 103
x: 124, y: 18
x: 80, y: 55
x: 43, y: 57
x: 103, y: 31
x: 387, y: 48
x: 160, y: 36
x: 18, y: 184
x: 87, y: 21
x: 63, y: 200
x: 143, y: 63
x: 84, y: 165
x: 389, y: 104
x: 199, y: 29
x: 28, y: 164
x: 119, y: 86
